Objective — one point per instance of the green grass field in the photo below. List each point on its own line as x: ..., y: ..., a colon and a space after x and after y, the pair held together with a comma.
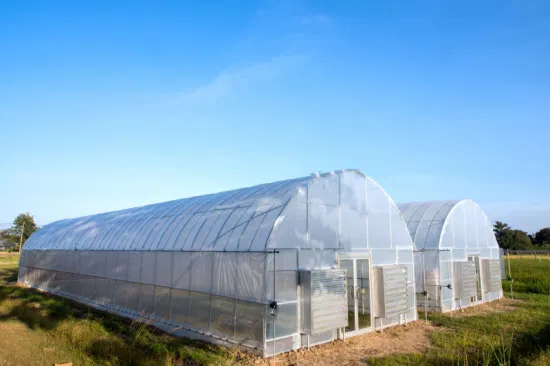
x: 520, y: 335
x: 38, y: 329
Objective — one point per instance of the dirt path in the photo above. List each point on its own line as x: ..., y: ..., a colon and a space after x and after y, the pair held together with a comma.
x: 413, y: 338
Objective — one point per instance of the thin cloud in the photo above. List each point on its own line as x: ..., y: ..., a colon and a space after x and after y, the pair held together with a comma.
x: 231, y: 80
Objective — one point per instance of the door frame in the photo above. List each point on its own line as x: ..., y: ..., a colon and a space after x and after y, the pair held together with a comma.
x: 479, y: 269
x: 354, y: 257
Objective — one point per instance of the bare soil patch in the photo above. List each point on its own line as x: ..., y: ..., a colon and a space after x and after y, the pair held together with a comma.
x: 413, y: 338
x: 497, y: 306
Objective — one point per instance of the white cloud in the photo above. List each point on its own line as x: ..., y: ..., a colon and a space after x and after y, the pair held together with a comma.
x: 231, y: 80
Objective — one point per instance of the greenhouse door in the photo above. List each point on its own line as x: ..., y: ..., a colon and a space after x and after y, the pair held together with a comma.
x: 475, y: 259
x: 358, y: 273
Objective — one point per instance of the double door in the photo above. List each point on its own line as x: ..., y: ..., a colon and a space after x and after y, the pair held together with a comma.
x: 358, y: 272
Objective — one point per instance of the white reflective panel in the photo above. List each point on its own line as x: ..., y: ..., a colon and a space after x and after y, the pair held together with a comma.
x: 353, y: 228
x: 323, y: 226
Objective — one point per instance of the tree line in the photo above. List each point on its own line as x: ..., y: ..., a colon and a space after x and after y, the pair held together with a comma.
x: 514, y: 239
x: 22, y: 228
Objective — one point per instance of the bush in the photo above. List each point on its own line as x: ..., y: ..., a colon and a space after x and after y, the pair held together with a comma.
x: 10, y: 250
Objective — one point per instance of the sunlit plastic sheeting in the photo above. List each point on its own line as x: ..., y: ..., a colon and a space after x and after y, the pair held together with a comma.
x: 199, y: 311
x: 250, y: 276
x: 134, y: 266
x: 162, y: 303
x: 249, y: 326
x: 202, y: 263
x: 316, y: 259
x: 323, y: 226
x: 286, y: 284
x: 353, y: 228
x: 224, y: 274
x: 163, y: 271
x: 290, y: 229
x: 222, y: 316
x: 181, y: 270
x: 148, y: 270
x: 193, y: 223
x: 283, y: 323
x: 201, y: 272
x: 378, y: 217
x: 179, y: 306
x: 384, y: 257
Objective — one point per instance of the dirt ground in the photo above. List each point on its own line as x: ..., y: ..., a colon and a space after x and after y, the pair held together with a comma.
x: 497, y: 306
x: 413, y: 338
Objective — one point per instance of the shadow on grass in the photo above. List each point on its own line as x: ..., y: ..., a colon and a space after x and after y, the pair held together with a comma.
x: 108, y: 339
x: 34, y: 309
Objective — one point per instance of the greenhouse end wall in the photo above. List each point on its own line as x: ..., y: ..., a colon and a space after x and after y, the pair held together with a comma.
x: 210, y: 267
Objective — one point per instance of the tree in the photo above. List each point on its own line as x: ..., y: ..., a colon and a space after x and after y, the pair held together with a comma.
x: 23, y: 223
x: 500, y: 229
x: 515, y: 240
x: 542, y: 236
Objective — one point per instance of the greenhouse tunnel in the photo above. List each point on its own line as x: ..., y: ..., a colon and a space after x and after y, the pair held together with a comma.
x: 457, y: 258
x: 268, y: 269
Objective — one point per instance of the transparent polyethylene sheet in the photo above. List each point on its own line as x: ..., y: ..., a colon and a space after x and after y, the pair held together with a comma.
x: 169, y: 261
x: 182, y: 289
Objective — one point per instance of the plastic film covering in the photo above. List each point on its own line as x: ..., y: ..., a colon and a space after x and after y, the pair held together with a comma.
x: 444, y: 233
x: 222, y: 294
x: 204, y: 264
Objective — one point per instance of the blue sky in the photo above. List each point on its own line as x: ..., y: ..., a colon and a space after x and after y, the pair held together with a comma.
x: 110, y: 104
